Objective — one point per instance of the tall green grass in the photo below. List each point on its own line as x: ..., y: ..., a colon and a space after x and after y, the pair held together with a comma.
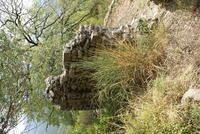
x: 136, y: 92
x: 124, y: 72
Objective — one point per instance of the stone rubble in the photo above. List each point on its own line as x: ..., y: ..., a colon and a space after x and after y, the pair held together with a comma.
x: 191, y: 94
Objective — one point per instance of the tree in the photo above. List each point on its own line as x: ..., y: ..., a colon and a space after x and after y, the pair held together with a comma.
x: 31, y: 49
x: 14, y: 82
x: 61, y: 16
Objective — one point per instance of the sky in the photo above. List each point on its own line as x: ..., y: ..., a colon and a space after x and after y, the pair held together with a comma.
x: 34, y: 127
x: 19, y: 128
x: 28, y: 3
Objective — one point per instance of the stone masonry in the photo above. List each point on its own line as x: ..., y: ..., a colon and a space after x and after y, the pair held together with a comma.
x: 74, y: 89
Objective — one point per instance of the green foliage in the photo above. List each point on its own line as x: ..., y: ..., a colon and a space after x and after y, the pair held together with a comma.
x: 14, y: 81
x: 143, y: 27
x: 46, y: 59
x: 135, y: 98
x: 98, y: 13
x: 86, y: 123
x: 23, y: 69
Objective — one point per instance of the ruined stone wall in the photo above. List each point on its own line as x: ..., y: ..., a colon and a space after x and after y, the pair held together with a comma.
x: 74, y: 89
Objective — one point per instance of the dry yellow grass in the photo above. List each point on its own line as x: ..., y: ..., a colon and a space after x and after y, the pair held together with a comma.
x: 163, y: 64
x: 159, y: 110
x: 125, y: 71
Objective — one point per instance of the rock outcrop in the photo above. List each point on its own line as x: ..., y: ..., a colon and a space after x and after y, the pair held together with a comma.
x: 191, y: 94
x: 74, y: 89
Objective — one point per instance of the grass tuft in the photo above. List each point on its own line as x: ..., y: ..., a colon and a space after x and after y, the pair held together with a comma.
x: 125, y: 71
